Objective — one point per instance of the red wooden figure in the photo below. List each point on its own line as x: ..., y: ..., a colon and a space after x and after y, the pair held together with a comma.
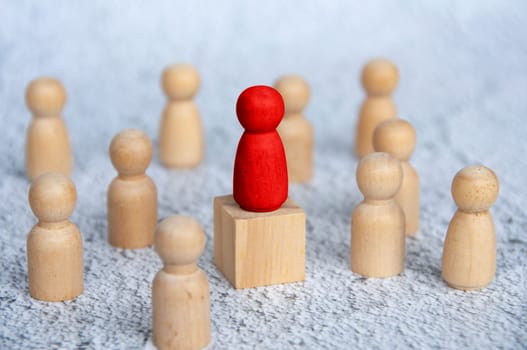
x: 260, y: 169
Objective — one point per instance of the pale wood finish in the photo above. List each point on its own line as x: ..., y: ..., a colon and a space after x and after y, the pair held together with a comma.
x: 469, y: 252
x: 132, y: 195
x: 181, y: 140
x: 180, y: 291
x: 379, y: 79
x: 397, y: 137
x: 258, y: 249
x: 54, y: 245
x: 47, y: 144
x: 377, y: 223
x: 295, y: 130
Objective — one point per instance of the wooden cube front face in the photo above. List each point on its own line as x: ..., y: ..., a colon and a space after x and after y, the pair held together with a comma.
x: 259, y: 249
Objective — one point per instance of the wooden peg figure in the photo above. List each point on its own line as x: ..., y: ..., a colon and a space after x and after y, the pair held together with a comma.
x: 54, y: 245
x: 132, y: 195
x: 181, y: 143
x: 260, y: 181
x: 397, y: 137
x: 180, y: 291
x: 295, y: 130
x: 379, y: 79
x: 377, y: 223
x: 259, y: 233
x: 469, y: 252
x: 47, y: 144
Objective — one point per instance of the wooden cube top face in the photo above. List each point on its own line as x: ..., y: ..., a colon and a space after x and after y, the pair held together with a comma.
x: 230, y: 206
x: 258, y: 249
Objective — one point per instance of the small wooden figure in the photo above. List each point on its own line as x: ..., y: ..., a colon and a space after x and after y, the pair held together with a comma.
x: 54, y: 245
x: 258, y: 239
x: 181, y: 143
x: 260, y: 168
x: 132, y: 195
x: 397, y: 137
x: 379, y: 79
x: 377, y: 223
x: 47, y: 145
x: 180, y: 291
x: 295, y: 130
x: 469, y: 252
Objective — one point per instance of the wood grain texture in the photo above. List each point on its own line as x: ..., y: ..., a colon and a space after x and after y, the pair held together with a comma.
x: 132, y: 195
x: 54, y: 245
x: 469, y: 252
x: 180, y: 291
x: 377, y: 223
x: 258, y: 249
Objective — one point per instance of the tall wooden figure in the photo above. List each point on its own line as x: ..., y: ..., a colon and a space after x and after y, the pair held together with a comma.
x: 181, y: 143
x: 379, y: 79
x: 469, y: 252
x: 54, y: 245
x: 259, y: 234
x: 180, y: 291
x: 132, y: 195
x: 377, y: 223
x: 47, y: 144
x: 397, y: 137
x: 295, y: 130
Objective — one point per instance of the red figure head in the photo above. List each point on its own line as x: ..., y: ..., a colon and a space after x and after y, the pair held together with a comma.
x: 260, y: 109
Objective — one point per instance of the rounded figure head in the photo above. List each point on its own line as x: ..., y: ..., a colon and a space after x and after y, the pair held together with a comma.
x: 380, y: 77
x: 379, y: 176
x: 131, y: 152
x: 52, y: 197
x: 180, y: 81
x: 179, y: 240
x: 260, y: 109
x: 395, y: 136
x: 45, y: 97
x: 475, y: 188
x: 295, y: 92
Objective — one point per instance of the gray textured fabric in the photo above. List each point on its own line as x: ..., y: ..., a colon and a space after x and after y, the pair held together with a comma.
x: 463, y: 84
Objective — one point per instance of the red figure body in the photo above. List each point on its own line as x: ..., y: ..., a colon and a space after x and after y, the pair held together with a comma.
x: 260, y: 169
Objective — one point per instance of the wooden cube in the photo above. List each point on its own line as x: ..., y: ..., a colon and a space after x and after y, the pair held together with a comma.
x: 259, y: 249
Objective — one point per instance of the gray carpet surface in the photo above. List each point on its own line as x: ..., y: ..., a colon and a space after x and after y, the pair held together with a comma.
x: 463, y: 86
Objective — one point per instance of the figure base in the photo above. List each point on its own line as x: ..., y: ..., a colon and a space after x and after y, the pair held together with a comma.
x: 258, y: 249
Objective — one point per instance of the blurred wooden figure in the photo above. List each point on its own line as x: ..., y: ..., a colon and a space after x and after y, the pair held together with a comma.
x: 295, y: 130
x: 181, y: 143
x: 180, y: 291
x: 397, y: 137
x: 377, y: 223
x: 54, y: 245
x: 47, y: 145
x: 132, y: 195
x: 469, y: 252
x: 379, y: 79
